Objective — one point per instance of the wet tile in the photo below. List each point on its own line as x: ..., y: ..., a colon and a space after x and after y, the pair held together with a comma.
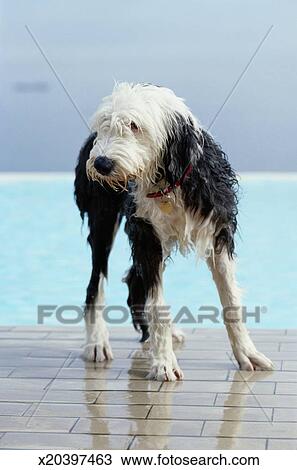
x: 292, y: 346
x: 90, y: 411
x: 208, y: 413
x: 23, y: 384
x: 195, y: 443
x: 5, y: 371
x: 282, y: 355
x: 129, y: 343
x: 90, y: 384
x: 37, y: 424
x: 250, y: 429
x: 66, y: 335
x: 47, y: 328
x: 217, y: 387
x: 115, y: 364
x: 18, y: 335
x: 258, y: 401
x: 118, y: 354
x: 138, y: 426
x: 70, y: 396
x: 115, y: 396
x: 8, y: 353
x: 285, y: 415
x: 274, y: 376
x: 35, y: 372
x: 34, y: 344
x: 193, y: 375
x: 265, y: 331
x: 46, y: 352
x: 55, y: 372
x: 156, y: 398
x: 198, y: 364
x: 21, y: 395
x: 13, y: 409
x: 190, y: 349
x: 89, y: 373
x: 290, y: 365
x: 218, y: 346
x: 48, y: 396
x: 31, y: 361
x: 286, y: 388
x: 62, y: 441
x: 271, y: 338
x: 282, y: 444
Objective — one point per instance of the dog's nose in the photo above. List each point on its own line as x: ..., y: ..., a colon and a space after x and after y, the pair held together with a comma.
x: 103, y: 165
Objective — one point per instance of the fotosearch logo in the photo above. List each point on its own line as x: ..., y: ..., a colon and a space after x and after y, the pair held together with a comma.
x: 119, y: 315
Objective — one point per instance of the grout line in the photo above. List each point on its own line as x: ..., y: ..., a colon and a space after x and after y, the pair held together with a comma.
x: 95, y: 402
x: 131, y: 442
x: 72, y: 427
x: 266, y: 444
x: 202, y: 428
x: 272, y: 414
x: 149, y: 411
x: 24, y: 414
x: 228, y: 375
x: 10, y: 373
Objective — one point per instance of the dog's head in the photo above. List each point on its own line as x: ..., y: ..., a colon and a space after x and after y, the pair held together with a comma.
x: 141, y: 129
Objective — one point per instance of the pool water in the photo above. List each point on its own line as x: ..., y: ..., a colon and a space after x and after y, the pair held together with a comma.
x: 45, y: 259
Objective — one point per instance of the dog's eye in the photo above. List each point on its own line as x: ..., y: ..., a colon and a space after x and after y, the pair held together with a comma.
x: 133, y: 126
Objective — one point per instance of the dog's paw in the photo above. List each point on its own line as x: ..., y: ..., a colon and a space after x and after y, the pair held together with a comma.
x: 178, y: 335
x: 252, y: 359
x: 165, y: 373
x: 98, y: 352
x: 166, y: 370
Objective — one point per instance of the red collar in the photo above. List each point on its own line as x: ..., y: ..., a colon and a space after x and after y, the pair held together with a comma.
x: 169, y: 189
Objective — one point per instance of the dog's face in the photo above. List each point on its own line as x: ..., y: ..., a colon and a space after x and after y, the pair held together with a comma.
x: 133, y: 126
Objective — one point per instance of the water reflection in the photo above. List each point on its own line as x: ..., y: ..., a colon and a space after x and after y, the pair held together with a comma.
x: 241, y: 389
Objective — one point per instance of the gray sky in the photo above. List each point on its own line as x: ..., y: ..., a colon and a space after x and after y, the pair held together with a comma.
x: 197, y: 48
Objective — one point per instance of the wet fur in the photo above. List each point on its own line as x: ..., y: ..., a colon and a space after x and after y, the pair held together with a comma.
x: 167, y: 140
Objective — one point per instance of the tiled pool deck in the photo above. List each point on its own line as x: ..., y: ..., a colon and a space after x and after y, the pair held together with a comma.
x: 51, y: 398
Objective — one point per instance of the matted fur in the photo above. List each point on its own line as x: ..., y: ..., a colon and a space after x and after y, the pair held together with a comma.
x: 150, y: 137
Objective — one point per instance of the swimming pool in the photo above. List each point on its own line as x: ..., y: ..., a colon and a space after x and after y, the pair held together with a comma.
x: 45, y: 259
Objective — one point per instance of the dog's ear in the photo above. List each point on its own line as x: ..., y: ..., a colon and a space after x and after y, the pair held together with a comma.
x: 182, y: 147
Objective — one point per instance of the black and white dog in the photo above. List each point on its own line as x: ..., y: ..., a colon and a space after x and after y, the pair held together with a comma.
x: 148, y: 159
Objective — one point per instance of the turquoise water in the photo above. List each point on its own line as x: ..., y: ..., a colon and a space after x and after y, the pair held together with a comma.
x: 45, y: 258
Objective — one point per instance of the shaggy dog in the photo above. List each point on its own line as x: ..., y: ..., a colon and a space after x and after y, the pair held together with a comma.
x: 149, y: 160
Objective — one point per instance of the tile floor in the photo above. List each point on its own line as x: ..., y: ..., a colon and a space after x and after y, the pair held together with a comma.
x: 51, y: 398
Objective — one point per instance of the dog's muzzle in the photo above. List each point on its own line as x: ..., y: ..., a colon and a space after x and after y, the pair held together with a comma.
x: 103, y: 165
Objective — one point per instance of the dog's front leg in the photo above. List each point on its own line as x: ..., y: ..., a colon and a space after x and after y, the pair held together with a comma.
x: 245, y: 352
x: 97, y: 347
x: 165, y: 366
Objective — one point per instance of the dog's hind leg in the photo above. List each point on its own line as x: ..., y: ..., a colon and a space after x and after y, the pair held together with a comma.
x: 147, y: 257
x: 136, y: 302
x: 245, y: 352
